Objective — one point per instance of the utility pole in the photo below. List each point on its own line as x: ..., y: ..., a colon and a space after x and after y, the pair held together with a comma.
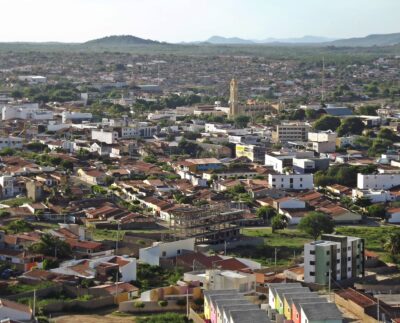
x: 187, y: 302
x: 116, y: 242
x: 116, y: 287
x: 329, y: 283
x: 276, y: 252
x: 225, y: 248
x: 34, y: 304
x: 378, y: 312
x: 323, y: 80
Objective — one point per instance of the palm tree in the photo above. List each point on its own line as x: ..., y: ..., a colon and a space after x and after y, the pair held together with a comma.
x: 392, y: 243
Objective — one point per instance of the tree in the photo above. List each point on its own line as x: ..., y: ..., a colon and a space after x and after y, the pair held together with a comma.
x: 266, y: 213
x: 278, y: 222
x: 386, y: 133
x: 377, y: 211
x: 316, y: 223
x: 50, y: 245
x: 368, y: 110
x: 352, y: 126
x: 363, y: 202
x: 18, y: 226
x: 327, y: 122
x: 241, y: 121
x: 392, y: 243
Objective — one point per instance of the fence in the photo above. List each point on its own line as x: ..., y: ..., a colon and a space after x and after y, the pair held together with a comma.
x: 151, y: 307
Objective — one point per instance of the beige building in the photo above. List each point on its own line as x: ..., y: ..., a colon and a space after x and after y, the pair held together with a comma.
x: 290, y: 132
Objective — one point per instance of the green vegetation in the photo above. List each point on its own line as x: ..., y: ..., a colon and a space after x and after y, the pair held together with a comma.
x: 163, y: 318
x: 22, y: 288
x: 341, y: 174
x: 18, y: 201
x: 18, y: 226
x: 149, y: 277
x: 353, y: 126
x: 278, y: 222
x: 327, y: 122
x: 50, y: 245
x: 316, y: 223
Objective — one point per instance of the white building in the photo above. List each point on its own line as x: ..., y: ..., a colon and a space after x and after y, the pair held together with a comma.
x: 10, y: 310
x: 107, y: 137
x: 160, y: 250
x: 291, y: 181
x: 126, y: 267
x: 26, y: 111
x: 375, y: 196
x: 75, y: 116
x: 7, y: 186
x: 323, y: 141
x: 216, y: 279
x: 279, y: 160
x: 377, y: 181
x: 10, y: 142
x: 33, y: 79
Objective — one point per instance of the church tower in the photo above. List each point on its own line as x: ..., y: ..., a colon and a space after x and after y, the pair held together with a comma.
x: 233, y: 99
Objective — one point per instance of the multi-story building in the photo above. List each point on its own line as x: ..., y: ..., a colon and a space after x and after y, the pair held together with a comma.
x: 106, y: 136
x: 26, y: 111
x: 291, y: 181
x: 323, y: 141
x: 338, y: 257
x: 377, y: 181
x: 75, y: 117
x: 10, y: 142
x: 286, y: 132
x: 253, y: 152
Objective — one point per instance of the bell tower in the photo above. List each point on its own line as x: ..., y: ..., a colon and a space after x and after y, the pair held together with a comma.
x: 233, y: 99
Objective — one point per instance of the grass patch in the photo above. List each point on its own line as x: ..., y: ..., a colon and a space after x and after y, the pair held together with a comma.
x: 23, y: 288
x: 16, y: 201
x: 288, y: 243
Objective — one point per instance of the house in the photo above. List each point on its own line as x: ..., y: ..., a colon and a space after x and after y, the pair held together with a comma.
x: 320, y: 312
x: 100, y: 268
x: 162, y: 250
x: 14, y: 311
x: 200, y: 165
x: 92, y: 176
x: 377, y: 181
x: 180, y: 291
x: 121, y: 291
x: 295, y: 302
x: 291, y: 181
x: 393, y: 215
x: 22, y: 260
x: 216, y: 279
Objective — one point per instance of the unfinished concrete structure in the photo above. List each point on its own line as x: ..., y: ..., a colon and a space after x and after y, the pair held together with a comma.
x: 211, y: 224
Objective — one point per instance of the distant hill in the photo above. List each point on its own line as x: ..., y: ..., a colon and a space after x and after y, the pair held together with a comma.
x: 123, y: 40
x: 371, y: 40
x: 219, y: 40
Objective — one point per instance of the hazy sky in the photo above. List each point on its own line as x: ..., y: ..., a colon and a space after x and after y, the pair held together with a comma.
x: 189, y: 20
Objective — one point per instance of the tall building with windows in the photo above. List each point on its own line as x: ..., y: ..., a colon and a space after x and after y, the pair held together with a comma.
x: 234, y: 109
x: 340, y: 257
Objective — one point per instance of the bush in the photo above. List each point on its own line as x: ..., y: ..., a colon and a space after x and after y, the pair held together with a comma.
x: 199, y: 301
x: 163, y: 303
x: 138, y: 304
x: 262, y: 297
x: 181, y: 302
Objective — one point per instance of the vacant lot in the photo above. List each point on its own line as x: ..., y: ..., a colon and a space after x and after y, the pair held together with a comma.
x: 93, y: 319
x: 290, y: 242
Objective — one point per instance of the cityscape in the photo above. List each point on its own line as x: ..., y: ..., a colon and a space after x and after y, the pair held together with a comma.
x: 237, y: 179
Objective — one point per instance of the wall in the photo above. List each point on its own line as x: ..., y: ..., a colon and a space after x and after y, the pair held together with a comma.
x: 151, y: 307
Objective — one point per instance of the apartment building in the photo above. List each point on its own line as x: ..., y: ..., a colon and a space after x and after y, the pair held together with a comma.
x: 10, y: 142
x: 108, y: 137
x: 286, y: 132
x: 291, y: 181
x: 338, y: 257
x: 323, y: 141
x: 377, y: 181
x: 254, y: 153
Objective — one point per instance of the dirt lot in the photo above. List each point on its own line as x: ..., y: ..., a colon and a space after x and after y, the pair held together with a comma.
x: 92, y: 319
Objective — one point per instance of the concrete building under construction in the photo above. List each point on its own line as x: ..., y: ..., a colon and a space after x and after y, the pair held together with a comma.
x: 211, y: 224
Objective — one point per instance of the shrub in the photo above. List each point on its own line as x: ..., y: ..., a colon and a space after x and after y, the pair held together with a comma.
x: 181, y: 302
x: 138, y: 304
x: 262, y: 297
x: 163, y: 303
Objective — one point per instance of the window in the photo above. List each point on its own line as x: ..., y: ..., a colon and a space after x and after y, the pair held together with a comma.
x: 301, y: 185
x: 312, y: 273
x: 328, y: 263
x: 312, y: 252
x: 348, y: 258
x: 338, y: 261
x: 328, y: 252
x: 312, y: 263
x: 274, y: 179
x: 301, y: 179
x: 164, y: 254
